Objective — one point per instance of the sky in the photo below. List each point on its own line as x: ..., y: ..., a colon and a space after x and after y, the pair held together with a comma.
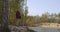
x: 38, y: 7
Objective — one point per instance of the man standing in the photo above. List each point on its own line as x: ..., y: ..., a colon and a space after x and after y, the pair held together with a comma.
x: 18, y: 17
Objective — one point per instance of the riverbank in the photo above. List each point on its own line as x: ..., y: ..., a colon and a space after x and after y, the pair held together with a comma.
x: 20, y: 29
x: 49, y: 25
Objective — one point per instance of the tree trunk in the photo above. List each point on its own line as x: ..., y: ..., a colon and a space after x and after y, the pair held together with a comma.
x: 5, y: 16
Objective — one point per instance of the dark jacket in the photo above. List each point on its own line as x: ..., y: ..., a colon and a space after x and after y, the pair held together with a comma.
x: 18, y: 15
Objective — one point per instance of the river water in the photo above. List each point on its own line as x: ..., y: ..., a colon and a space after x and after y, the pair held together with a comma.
x: 40, y: 29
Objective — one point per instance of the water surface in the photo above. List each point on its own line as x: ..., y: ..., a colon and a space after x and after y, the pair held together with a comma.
x: 40, y: 29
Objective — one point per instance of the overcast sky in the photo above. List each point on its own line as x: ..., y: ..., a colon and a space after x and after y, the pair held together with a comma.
x: 37, y: 7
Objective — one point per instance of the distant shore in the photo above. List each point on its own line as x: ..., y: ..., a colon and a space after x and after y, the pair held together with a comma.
x: 50, y: 25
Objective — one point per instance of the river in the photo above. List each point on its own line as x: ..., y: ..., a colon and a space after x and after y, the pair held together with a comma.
x: 40, y: 29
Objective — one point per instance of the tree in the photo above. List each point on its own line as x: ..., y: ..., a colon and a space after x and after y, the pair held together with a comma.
x: 1, y: 7
x: 58, y: 15
x: 5, y: 16
x: 44, y: 17
x: 15, y: 5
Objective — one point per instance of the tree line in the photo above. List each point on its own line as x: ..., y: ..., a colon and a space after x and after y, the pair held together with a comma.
x: 44, y: 18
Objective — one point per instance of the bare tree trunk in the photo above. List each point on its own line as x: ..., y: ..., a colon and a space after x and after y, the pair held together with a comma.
x: 5, y: 16
x: 26, y: 11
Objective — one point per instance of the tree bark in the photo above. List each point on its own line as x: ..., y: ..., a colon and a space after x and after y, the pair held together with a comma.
x: 5, y: 16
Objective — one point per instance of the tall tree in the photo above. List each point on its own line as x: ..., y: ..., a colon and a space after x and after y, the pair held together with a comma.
x: 1, y: 6
x: 5, y: 16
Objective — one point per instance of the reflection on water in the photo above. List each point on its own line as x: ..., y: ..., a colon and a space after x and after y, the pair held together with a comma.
x: 39, y: 29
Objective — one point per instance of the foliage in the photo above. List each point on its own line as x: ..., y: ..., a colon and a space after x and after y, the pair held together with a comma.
x: 46, y: 17
x: 13, y: 7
